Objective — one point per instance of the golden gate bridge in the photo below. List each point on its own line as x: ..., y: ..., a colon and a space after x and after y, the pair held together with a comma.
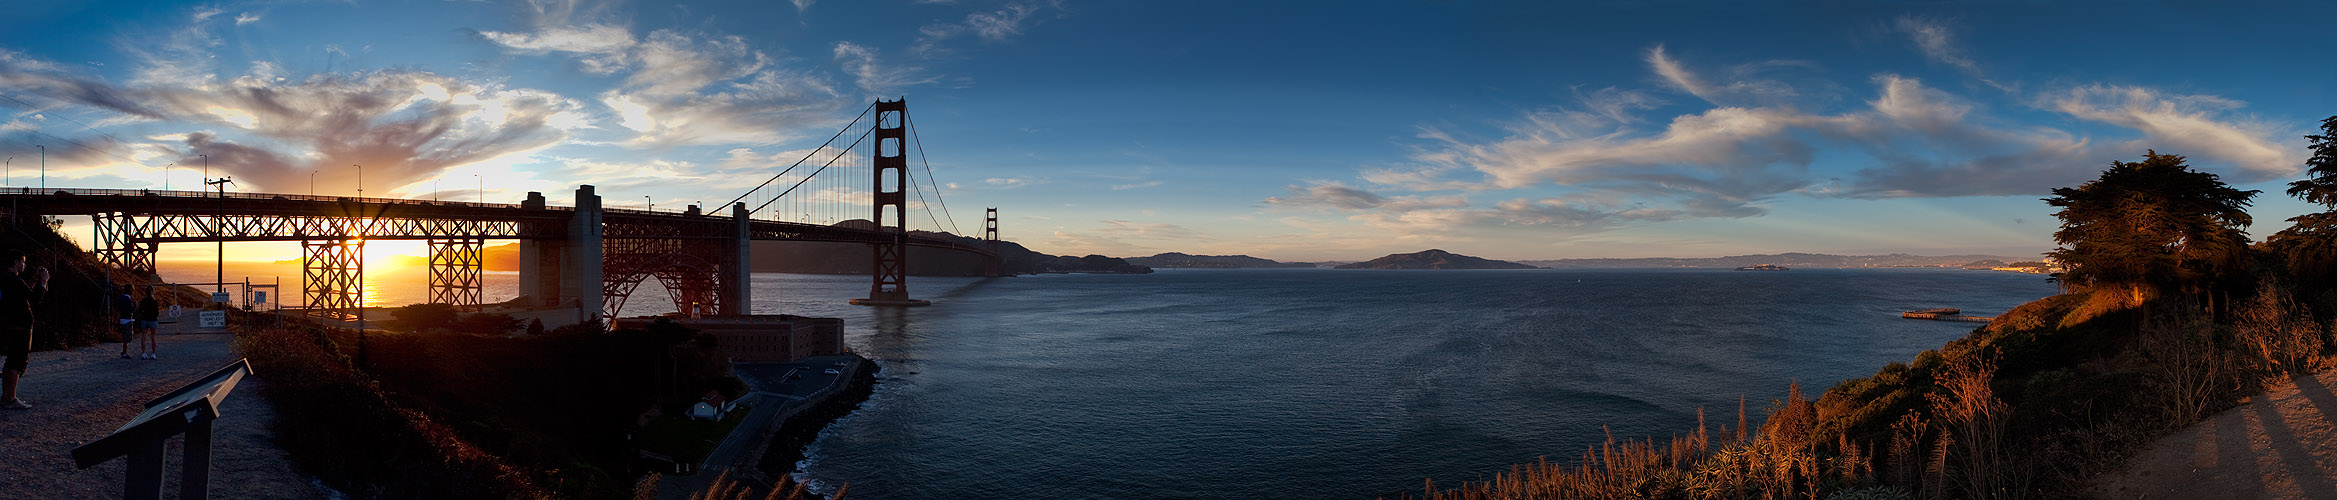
x: 581, y: 254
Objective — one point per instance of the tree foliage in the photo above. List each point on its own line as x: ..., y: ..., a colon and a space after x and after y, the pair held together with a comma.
x: 2150, y: 227
x: 2309, y: 247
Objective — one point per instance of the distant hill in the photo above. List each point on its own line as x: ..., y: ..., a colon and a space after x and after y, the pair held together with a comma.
x: 1433, y: 259
x: 1782, y: 259
x: 1179, y: 260
x: 855, y: 258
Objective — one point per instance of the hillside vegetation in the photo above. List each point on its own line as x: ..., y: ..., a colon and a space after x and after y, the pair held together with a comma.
x: 2169, y: 314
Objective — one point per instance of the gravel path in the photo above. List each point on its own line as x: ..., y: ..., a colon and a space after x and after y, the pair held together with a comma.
x: 2282, y: 444
x: 79, y: 395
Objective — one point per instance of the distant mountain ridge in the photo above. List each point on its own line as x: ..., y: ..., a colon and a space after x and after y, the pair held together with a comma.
x: 1188, y: 261
x: 1434, y: 259
x: 1781, y: 259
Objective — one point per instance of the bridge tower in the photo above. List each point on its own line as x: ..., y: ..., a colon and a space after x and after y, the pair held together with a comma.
x: 891, y: 287
x: 996, y: 266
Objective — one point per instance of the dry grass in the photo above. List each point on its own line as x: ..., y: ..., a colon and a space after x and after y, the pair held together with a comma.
x: 2032, y: 406
x: 725, y: 488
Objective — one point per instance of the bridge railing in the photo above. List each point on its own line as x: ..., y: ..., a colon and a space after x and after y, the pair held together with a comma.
x: 32, y: 191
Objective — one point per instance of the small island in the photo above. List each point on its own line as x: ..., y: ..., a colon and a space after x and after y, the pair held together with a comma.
x: 1188, y: 261
x: 1434, y: 259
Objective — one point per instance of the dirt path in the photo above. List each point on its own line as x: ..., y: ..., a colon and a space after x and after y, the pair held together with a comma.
x: 2282, y: 444
x: 81, y: 394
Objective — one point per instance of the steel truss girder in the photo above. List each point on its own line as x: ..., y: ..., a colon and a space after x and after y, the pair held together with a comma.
x: 455, y: 269
x: 690, y: 269
x: 177, y: 228
x: 118, y: 245
x: 333, y: 277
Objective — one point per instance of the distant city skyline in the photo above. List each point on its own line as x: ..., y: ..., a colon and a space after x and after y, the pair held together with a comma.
x: 1296, y: 131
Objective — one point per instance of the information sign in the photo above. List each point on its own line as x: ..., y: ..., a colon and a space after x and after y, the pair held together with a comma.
x: 213, y: 319
x: 221, y: 297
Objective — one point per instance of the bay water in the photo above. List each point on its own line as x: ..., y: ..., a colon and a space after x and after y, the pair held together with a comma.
x: 1310, y: 383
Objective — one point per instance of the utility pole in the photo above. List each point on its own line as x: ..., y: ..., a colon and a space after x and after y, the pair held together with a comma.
x: 218, y: 221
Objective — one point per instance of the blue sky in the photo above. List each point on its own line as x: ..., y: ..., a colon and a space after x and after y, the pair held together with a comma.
x: 1289, y: 130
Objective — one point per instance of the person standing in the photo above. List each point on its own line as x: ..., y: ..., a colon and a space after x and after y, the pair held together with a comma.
x: 16, y: 302
x: 125, y: 318
x: 149, y: 312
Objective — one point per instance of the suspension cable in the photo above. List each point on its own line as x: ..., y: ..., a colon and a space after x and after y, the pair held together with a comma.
x: 953, y: 220
x: 806, y: 156
x: 816, y: 173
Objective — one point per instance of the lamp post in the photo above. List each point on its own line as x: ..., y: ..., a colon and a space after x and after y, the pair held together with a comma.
x: 360, y: 180
x: 312, y: 183
x: 44, y: 166
x: 434, y: 189
x: 652, y: 204
x: 166, y: 175
x: 482, y: 187
x: 8, y: 167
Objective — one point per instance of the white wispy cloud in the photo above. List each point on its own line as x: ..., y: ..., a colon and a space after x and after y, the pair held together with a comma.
x: 996, y: 25
x: 861, y: 62
x: 1937, y: 42
x: 1757, y: 143
x: 246, y: 18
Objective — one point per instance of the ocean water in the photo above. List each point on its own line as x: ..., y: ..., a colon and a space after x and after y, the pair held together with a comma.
x: 1305, y: 383
x: 1335, y: 384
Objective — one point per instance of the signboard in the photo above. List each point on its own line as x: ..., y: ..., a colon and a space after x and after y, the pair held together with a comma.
x: 189, y: 410
x: 221, y: 298
x: 213, y: 319
x: 174, y: 311
x: 259, y: 297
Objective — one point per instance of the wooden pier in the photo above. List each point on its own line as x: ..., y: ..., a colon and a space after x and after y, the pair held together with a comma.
x: 1945, y: 314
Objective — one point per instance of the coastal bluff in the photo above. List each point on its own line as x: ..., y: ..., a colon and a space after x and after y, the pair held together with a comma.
x: 1434, y: 259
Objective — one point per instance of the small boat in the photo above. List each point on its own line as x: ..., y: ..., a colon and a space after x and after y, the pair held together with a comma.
x: 1764, y: 267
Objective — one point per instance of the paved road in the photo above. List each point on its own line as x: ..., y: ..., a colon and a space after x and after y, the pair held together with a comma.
x: 81, y: 394
x: 780, y: 389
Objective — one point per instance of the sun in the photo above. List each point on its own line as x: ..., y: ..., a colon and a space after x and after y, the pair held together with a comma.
x: 393, y: 255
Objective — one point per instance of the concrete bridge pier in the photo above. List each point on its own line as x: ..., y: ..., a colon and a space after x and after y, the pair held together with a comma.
x: 738, y: 279
x: 565, y: 273
x: 582, y: 268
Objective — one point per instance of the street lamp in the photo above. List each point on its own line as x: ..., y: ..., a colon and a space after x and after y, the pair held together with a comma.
x: 166, y: 176
x: 360, y: 180
x: 44, y: 166
x: 434, y: 189
x: 645, y: 200
x: 482, y: 187
x: 312, y: 183
x: 8, y: 167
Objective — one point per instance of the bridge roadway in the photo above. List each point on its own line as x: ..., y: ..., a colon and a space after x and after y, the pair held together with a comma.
x: 185, y: 217
x: 702, y: 259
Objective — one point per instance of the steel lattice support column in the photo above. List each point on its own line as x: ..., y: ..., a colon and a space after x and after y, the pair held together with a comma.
x: 121, y: 242
x: 891, y: 285
x: 455, y: 266
x: 333, y: 277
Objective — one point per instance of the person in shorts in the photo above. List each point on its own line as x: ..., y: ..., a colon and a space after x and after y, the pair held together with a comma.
x: 125, y: 318
x: 16, y: 301
x: 149, y: 312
